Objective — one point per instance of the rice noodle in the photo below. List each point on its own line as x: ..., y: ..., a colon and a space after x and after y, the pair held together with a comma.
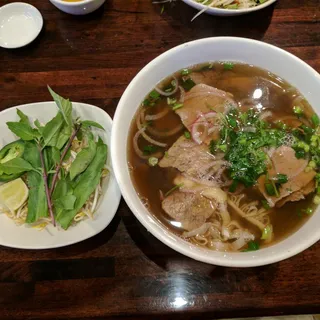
x: 199, y: 231
x: 249, y: 211
x: 168, y: 94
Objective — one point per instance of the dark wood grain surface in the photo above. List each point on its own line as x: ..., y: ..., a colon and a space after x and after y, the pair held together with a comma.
x: 124, y: 271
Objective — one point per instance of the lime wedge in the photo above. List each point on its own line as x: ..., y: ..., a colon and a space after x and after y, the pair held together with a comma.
x: 13, y: 194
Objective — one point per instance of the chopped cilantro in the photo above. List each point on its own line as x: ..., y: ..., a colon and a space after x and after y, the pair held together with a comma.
x: 282, y: 178
x: 233, y: 186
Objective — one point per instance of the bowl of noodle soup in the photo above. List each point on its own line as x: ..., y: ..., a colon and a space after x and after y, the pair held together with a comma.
x: 132, y: 138
x: 227, y: 7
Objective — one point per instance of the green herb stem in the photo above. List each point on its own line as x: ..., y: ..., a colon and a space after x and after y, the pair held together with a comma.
x: 45, y: 180
x: 58, y: 168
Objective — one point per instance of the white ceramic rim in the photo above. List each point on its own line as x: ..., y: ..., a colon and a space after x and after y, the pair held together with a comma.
x: 40, y: 26
x: 243, y: 259
x: 229, y: 12
x: 116, y: 201
x: 73, y: 4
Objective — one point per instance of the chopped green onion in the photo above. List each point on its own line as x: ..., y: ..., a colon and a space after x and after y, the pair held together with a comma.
x: 267, y: 232
x: 309, y: 211
x: 232, y: 6
x: 187, y: 134
x: 222, y: 147
x: 252, y: 246
x: 315, y: 120
x: 265, y: 204
x: 297, y: 110
x: 282, y: 178
x: 303, y: 145
x: 146, y: 102
x: 316, y: 200
x: 188, y: 84
x: 233, y: 186
x: 174, y: 188
x: 307, y: 129
x: 177, y: 106
x: 275, y: 188
x: 154, y: 94
x: 185, y: 72
x: 166, y: 154
x: 228, y: 66
x: 153, y: 161
x: 149, y: 149
x: 270, y: 189
x: 171, y: 101
x: 281, y: 125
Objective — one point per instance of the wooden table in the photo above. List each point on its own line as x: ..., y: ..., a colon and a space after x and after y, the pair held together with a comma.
x: 124, y: 271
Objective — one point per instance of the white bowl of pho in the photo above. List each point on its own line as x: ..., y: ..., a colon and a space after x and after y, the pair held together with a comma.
x: 215, y: 146
x: 227, y: 7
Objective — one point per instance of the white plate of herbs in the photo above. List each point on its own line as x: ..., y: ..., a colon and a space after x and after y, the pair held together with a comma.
x: 56, y: 182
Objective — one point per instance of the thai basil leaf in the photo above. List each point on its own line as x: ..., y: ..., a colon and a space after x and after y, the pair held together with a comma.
x: 23, y: 117
x: 83, y: 159
x: 38, y: 125
x: 64, y: 136
x: 55, y: 155
x: 86, y: 184
x: 23, y: 130
x: 88, y: 123
x: 52, y: 129
x: 37, y: 203
x: 64, y: 105
x: 16, y: 165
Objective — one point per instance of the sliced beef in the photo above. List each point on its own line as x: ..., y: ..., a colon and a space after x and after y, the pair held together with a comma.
x: 188, y: 157
x: 191, y: 209
x: 285, y: 162
x: 209, y: 77
x: 298, y: 195
x: 194, y: 203
x: 202, y: 99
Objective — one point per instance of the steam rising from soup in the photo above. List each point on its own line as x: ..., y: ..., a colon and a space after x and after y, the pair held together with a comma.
x: 226, y: 156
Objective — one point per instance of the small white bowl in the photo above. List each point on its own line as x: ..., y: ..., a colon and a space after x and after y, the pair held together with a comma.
x: 260, y: 54
x: 20, y: 24
x: 227, y: 12
x: 24, y: 237
x: 78, y: 8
